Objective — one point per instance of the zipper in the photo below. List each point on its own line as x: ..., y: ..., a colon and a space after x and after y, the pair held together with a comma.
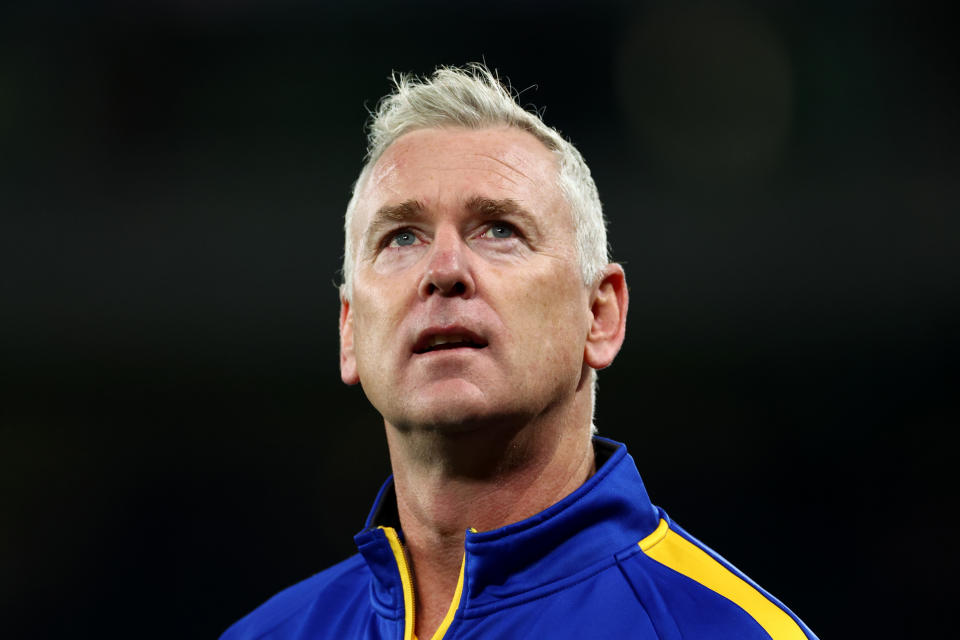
x: 406, y: 581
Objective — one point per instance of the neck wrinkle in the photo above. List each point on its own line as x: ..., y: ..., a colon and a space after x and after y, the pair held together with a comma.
x: 486, y: 478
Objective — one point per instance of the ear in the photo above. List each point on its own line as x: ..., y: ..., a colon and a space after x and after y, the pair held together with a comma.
x: 348, y: 361
x: 608, y: 326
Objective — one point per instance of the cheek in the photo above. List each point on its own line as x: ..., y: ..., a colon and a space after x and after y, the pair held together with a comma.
x: 395, y: 259
x: 553, y: 318
x: 371, y: 322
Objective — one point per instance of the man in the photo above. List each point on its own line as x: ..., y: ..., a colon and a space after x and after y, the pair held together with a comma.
x: 477, y: 304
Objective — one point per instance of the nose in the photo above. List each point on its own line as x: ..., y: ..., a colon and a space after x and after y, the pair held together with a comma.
x: 447, y: 271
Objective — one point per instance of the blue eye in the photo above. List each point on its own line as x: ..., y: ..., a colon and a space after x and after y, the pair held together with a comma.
x: 501, y: 231
x: 404, y: 239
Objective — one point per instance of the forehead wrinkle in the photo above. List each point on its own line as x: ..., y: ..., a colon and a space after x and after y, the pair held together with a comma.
x: 504, y: 176
x: 511, y: 167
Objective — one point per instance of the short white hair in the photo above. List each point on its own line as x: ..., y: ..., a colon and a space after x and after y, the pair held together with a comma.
x: 474, y: 98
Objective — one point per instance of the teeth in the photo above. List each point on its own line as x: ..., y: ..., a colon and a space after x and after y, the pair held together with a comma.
x: 438, y: 340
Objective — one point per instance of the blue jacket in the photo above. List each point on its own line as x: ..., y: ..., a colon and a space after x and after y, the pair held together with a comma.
x: 602, y: 563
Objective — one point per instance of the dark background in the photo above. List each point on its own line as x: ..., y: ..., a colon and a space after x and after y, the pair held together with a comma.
x: 781, y: 181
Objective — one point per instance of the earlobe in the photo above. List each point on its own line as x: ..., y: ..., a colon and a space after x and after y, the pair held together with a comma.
x: 348, y: 361
x: 609, y: 318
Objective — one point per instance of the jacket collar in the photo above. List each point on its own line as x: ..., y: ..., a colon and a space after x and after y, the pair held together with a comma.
x: 607, y: 514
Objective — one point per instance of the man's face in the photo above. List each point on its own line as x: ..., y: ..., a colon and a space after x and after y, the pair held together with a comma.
x: 468, y: 305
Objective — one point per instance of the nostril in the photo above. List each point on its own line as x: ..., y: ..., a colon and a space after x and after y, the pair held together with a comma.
x: 458, y: 288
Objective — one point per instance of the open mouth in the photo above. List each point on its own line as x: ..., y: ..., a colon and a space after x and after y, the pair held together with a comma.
x: 449, y: 341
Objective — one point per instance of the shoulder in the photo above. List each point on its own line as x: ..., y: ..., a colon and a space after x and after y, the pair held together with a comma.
x: 331, y: 589
x: 690, y: 589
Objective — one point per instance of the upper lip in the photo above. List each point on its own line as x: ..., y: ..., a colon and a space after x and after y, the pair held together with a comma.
x: 433, y: 336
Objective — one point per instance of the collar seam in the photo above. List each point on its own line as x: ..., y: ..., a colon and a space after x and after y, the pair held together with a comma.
x: 539, y: 591
x: 556, y: 509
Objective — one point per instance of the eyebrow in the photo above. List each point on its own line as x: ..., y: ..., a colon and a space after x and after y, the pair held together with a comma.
x: 389, y: 215
x: 489, y: 209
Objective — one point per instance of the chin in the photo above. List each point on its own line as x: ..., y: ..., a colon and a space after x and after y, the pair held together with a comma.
x: 455, y: 411
x: 450, y: 415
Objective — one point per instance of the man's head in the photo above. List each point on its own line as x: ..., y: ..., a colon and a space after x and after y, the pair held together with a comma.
x: 473, y: 98
x: 476, y: 283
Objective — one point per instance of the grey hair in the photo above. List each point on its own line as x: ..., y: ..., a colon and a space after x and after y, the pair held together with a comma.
x: 474, y: 98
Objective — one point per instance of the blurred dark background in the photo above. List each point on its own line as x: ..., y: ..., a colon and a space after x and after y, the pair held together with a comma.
x: 781, y: 182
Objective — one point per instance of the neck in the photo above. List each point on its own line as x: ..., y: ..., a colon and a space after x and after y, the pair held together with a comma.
x: 483, y: 479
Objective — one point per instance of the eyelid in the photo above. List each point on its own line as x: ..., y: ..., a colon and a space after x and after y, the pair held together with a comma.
x: 391, y: 234
x: 517, y: 233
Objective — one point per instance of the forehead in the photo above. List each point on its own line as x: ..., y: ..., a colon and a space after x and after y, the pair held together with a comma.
x: 442, y: 168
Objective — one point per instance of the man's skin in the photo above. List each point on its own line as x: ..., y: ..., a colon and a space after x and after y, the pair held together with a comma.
x: 464, y: 237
